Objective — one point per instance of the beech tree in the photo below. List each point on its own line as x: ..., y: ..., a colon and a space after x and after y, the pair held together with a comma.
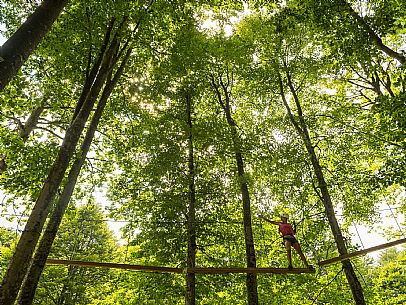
x: 44, y: 247
x: 26, y: 245
x: 222, y: 86
x: 303, y: 131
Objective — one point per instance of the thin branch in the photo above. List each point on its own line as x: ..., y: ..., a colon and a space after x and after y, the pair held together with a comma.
x: 50, y: 131
x: 359, y: 85
x: 367, y: 98
x: 14, y: 119
x: 217, y: 91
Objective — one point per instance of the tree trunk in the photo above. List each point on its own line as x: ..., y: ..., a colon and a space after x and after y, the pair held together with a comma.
x: 34, y: 273
x: 371, y: 33
x: 3, y: 164
x: 251, y: 281
x: 19, y: 263
x: 16, y: 50
x: 301, y: 128
x: 191, y: 251
x: 31, y: 122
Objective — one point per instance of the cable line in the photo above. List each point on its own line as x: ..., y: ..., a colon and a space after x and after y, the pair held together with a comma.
x: 328, y: 284
x: 397, y: 223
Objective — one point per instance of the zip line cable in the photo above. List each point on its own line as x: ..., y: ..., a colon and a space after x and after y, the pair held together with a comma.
x: 397, y: 223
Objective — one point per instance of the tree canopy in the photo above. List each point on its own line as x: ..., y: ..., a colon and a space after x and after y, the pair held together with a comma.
x: 179, y: 122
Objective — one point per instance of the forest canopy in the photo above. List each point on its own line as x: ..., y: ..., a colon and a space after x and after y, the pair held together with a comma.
x: 184, y: 126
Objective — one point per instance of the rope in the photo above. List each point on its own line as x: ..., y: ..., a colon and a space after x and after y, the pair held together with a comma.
x: 359, y: 272
x: 267, y: 259
x: 397, y: 223
x: 359, y: 236
x: 328, y: 284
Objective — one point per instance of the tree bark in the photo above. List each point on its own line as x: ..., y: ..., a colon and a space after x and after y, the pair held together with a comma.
x: 251, y: 281
x: 191, y: 251
x: 34, y: 273
x: 19, y: 263
x: 16, y: 50
x: 301, y: 128
x: 371, y: 33
x: 31, y: 122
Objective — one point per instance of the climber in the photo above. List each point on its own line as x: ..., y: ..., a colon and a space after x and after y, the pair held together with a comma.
x: 289, y: 239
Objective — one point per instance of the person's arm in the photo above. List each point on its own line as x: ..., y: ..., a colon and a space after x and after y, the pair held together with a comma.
x: 268, y: 220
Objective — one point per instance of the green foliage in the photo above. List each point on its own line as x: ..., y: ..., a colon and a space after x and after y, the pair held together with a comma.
x: 27, y: 163
x: 390, y: 278
x: 352, y: 98
x: 83, y: 235
x: 7, y: 241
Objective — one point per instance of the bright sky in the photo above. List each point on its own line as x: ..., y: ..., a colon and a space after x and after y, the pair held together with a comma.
x: 373, y: 237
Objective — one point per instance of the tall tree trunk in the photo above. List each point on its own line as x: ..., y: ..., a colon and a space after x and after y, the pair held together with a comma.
x: 19, y: 262
x: 16, y: 50
x: 301, y: 128
x: 191, y: 245
x: 34, y: 273
x: 251, y: 280
x: 370, y: 32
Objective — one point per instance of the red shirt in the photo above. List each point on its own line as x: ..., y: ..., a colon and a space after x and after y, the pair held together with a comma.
x: 286, y: 229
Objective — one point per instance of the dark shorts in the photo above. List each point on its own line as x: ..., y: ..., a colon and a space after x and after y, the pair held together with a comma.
x: 290, y: 238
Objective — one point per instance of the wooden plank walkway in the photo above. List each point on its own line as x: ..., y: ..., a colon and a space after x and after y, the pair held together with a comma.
x: 197, y: 270
x: 112, y: 265
x: 250, y: 270
x: 361, y: 252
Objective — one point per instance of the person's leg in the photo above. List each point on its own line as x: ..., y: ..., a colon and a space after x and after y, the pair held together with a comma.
x: 288, y: 252
x: 299, y: 251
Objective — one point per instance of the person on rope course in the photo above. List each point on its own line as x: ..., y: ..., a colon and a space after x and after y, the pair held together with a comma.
x: 289, y: 239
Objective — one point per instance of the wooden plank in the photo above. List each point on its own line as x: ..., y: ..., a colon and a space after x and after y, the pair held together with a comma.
x: 113, y: 265
x: 249, y: 270
x: 361, y: 252
x: 196, y: 270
